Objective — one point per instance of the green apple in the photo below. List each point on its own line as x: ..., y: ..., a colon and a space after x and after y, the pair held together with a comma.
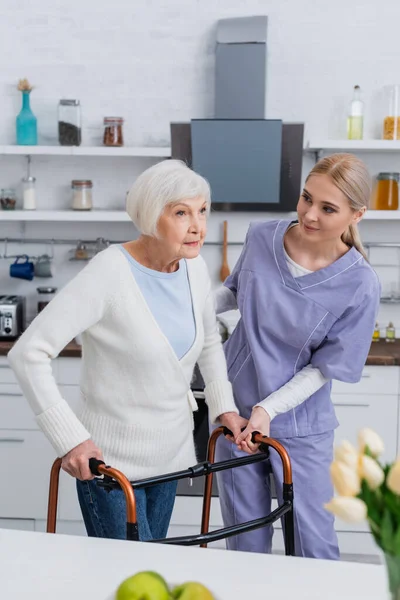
x: 191, y: 590
x: 146, y: 585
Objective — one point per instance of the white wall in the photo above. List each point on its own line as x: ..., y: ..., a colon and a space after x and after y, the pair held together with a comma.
x: 153, y: 62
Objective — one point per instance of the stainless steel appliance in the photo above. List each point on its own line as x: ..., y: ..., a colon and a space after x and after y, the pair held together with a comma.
x: 12, y: 316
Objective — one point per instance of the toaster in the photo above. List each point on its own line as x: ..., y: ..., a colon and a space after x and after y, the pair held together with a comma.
x: 12, y: 317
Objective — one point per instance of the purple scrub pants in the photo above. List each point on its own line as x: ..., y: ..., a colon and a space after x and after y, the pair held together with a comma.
x: 245, y: 495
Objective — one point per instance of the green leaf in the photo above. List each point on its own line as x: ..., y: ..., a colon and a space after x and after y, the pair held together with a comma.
x: 396, y: 542
x: 387, y: 532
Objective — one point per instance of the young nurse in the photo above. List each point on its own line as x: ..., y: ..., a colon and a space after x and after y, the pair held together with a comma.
x: 308, y: 300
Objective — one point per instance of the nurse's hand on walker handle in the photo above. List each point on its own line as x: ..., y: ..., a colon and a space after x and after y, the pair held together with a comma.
x: 76, y: 461
x: 259, y: 421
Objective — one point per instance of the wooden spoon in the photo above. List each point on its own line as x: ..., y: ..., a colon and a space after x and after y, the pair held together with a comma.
x: 225, y: 271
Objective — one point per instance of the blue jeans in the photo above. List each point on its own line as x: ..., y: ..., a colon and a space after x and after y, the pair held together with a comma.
x: 104, y: 513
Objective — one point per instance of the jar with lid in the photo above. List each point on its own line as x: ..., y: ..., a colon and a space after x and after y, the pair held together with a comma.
x: 8, y: 199
x: 82, y: 194
x: 113, y: 135
x: 391, y: 121
x: 69, y: 123
x: 29, y: 193
x: 45, y: 294
x: 386, y: 194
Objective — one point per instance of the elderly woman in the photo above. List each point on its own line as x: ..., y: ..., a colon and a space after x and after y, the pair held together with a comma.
x: 146, y: 314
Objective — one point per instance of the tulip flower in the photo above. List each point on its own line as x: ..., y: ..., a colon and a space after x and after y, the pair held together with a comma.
x: 393, y: 478
x: 345, y: 479
x: 371, y: 471
x: 352, y: 510
x: 346, y: 453
x: 367, y: 438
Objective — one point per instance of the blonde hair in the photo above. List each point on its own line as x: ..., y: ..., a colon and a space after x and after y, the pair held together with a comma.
x: 165, y: 182
x: 350, y: 175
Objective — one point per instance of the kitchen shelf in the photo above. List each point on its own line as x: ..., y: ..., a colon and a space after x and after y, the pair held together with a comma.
x: 109, y: 216
x: 138, y: 152
x: 120, y: 216
x: 353, y: 145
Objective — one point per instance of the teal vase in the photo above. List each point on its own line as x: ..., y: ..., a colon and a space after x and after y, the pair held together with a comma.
x: 26, y: 123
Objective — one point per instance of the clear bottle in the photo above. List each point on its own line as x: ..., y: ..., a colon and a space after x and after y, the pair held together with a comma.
x: 29, y: 193
x: 355, y: 120
x: 69, y: 123
x: 391, y: 121
x: 390, y: 333
x: 376, y: 334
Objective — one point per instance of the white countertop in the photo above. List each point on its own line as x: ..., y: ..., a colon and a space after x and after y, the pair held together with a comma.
x: 42, y: 566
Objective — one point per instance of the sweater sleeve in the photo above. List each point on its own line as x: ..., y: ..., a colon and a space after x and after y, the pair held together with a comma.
x: 218, y: 389
x: 303, y: 385
x: 78, y: 306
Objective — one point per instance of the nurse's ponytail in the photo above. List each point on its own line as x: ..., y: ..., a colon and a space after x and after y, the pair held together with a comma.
x: 351, y: 176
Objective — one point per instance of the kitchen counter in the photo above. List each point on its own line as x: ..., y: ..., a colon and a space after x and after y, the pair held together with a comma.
x: 384, y: 353
x: 381, y: 353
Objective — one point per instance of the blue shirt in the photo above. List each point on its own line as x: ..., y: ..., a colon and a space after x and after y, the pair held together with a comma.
x: 170, y: 301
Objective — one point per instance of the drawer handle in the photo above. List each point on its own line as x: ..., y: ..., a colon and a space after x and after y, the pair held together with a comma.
x: 14, y: 394
x: 5, y: 367
x: 365, y: 376
x: 15, y: 440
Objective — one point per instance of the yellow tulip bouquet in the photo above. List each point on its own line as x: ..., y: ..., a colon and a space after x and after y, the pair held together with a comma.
x: 368, y: 490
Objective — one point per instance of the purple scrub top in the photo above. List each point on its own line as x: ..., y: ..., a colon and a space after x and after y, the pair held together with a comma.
x: 325, y: 318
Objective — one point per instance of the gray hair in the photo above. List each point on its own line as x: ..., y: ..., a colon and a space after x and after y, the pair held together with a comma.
x: 164, y: 183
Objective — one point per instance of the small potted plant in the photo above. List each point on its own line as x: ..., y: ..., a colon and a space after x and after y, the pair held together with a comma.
x: 369, y: 490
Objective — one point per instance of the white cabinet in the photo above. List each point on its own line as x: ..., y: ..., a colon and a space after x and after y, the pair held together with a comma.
x: 26, y: 458
x: 372, y: 402
x: 15, y: 412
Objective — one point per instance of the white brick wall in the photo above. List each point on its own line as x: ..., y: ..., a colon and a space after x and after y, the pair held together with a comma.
x: 153, y: 62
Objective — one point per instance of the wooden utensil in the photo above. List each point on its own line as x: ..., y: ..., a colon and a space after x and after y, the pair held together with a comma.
x: 225, y: 271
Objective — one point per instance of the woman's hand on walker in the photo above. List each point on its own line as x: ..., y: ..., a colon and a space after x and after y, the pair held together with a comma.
x: 76, y: 461
x: 234, y: 422
x: 259, y: 421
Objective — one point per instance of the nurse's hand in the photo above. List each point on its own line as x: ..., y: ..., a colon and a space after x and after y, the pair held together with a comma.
x: 234, y: 422
x: 259, y: 421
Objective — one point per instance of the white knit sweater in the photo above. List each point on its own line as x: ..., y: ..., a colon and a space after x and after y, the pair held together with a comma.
x: 137, y: 403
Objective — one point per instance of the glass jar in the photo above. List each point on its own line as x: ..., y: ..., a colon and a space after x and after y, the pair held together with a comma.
x: 82, y: 194
x: 29, y: 193
x: 391, y: 122
x: 69, y: 123
x: 8, y: 199
x: 386, y: 195
x: 45, y: 294
x: 113, y: 135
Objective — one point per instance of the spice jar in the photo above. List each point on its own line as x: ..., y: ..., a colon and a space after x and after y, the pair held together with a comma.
x: 29, y: 193
x: 391, y: 122
x: 82, y: 194
x: 8, y: 199
x: 45, y: 294
x: 69, y: 123
x: 386, y: 194
x: 113, y: 131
